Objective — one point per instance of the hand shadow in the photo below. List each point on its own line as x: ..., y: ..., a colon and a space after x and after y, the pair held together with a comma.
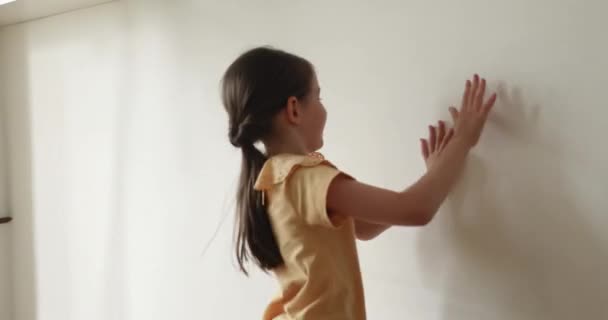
x: 511, y: 241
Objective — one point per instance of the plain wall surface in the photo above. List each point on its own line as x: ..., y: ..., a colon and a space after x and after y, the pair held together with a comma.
x: 132, y: 171
x: 28, y: 10
x: 61, y: 77
x: 6, y: 301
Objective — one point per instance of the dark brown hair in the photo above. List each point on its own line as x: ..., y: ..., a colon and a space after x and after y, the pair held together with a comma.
x: 255, y: 87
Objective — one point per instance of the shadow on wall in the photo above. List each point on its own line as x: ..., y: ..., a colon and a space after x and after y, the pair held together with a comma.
x: 511, y: 241
x: 16, y: 110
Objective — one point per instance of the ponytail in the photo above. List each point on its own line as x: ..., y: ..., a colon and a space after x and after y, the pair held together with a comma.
x: 254, y: 236
x: 255, y: 88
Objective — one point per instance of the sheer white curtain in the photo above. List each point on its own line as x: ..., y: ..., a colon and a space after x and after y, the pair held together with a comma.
x: 120, y: 169
x: 63, y: 90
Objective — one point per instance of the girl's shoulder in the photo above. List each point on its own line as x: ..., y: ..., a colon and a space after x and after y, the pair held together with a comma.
x: 278, y: 168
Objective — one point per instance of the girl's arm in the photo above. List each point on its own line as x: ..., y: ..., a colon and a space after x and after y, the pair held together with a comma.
x: 367, y: 231
x: 418, y: 204
x: 439, y: 139
x: 413, y: 207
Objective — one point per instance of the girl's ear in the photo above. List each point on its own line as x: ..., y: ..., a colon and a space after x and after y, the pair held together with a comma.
x: 292, y: 111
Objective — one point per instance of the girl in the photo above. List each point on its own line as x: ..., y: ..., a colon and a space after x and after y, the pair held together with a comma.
x: 297, y: 214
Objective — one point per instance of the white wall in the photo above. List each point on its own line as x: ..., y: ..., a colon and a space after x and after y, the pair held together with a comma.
x: 18, y: 260
x: 63, y: 78
x: 28, y: 10
x: 6, y: 301
x: 132, y: 170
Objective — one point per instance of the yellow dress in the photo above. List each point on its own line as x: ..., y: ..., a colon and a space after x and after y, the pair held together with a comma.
x: 320, y: 278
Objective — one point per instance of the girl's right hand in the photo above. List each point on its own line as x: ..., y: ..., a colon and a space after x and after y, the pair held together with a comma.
x: 417, y: 204
x: 471, y: 118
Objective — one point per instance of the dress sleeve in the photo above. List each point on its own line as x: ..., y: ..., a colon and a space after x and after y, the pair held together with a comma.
x: 307, y: 188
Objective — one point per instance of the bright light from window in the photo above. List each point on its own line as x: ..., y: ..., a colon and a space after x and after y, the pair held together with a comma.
x: 6, y: 1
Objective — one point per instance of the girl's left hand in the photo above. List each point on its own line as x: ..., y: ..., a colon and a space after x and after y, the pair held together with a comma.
x: 438, y: 139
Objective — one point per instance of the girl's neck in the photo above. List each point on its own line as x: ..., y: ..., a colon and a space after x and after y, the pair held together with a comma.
x: 285, y: 147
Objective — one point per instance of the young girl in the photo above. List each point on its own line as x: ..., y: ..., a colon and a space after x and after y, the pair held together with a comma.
x: 297, y: 214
